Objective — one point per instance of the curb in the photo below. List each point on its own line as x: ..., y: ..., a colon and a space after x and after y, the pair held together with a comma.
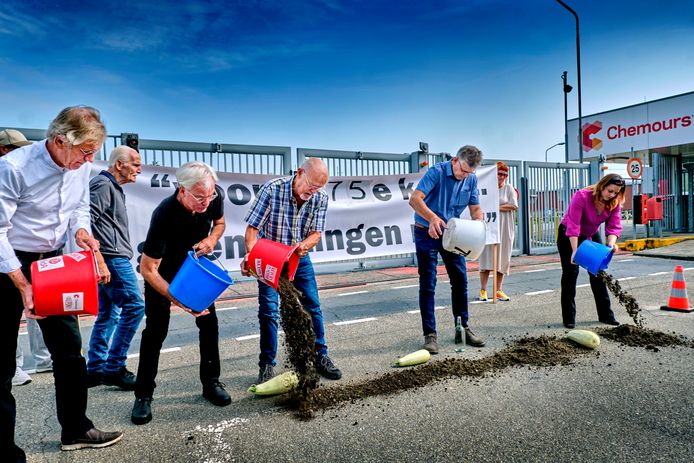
x: 651, y: 243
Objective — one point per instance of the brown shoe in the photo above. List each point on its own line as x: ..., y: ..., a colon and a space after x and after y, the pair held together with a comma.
x: 92, y: 439
x: 471, y: 339
x: 431, y: 344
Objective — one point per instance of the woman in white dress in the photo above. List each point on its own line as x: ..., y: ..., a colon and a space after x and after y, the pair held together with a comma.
x: 508, y: 203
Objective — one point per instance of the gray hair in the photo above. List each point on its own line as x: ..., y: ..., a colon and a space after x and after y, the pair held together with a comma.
x: 78, y: 124
x: 120, y: 153
x: 471, y: 155
x: 194, y: 172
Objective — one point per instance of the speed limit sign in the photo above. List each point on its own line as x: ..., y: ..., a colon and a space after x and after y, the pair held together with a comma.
x: 634, y: 168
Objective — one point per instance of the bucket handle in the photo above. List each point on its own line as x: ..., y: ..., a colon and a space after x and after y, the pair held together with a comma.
x: 96, y: 265
x: 195, y: 256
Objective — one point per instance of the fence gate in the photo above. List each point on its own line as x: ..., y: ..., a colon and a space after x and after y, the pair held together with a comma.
x: 545, y: 194
x: 667, y: 183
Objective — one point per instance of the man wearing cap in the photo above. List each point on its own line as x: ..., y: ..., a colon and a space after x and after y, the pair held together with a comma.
x: 121, y: 307
x: 44, y: 196
x: 10, y: 140
x: 443, y: 193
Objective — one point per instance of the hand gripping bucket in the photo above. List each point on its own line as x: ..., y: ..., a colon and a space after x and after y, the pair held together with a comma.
x: 593, y: 256
x: 199, y: 282
x: 465, y: 237
x: 267, y: 258
x: 66, y: 285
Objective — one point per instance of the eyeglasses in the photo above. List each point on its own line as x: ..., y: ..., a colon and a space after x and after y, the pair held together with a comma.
x: 88, y: 153
x: 311, y: 186
x: 501, y: 174
x: 204, y: 199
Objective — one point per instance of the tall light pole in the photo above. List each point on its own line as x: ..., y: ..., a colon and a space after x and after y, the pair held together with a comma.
x: 556, y: 144
x: 566, y: 89
x: 578, y: 72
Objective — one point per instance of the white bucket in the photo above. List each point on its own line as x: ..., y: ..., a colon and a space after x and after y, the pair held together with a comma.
x: 465, y: 237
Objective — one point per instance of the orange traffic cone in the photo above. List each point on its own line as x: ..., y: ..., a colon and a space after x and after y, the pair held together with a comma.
x: 679, y: 302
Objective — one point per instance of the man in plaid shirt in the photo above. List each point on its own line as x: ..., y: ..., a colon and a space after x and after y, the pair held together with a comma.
x: 291, y: 211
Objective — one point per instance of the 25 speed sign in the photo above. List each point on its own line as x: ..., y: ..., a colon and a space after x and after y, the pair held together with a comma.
x: 634, y: 168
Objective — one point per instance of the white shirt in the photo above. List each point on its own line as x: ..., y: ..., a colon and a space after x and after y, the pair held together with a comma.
x: 39, y: 202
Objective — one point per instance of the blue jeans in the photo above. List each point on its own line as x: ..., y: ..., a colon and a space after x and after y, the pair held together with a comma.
x: 121, y: 309
x: 268, y: 312
x: 428, y: 250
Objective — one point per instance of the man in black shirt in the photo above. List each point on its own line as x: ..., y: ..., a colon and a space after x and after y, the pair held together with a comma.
x: 180, y: 223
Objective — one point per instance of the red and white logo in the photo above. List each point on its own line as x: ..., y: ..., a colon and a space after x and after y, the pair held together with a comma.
x: 590, y: 142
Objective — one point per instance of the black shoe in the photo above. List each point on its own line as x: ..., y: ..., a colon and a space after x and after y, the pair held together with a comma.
x: 142, y: 410
x: 215, y: 393
x: 94, y: 379
x: 266, y: 373
x: 570, y: 325
x: 611, y: 321
x: 123, y: 378
x: 92, y: 439
x: 326, y: 368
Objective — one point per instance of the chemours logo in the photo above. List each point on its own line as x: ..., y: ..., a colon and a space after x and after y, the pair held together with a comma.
x: 617, y: 131
x: 590, y: 142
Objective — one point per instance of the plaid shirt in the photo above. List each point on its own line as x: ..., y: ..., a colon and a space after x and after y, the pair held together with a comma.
x: 276, y: 214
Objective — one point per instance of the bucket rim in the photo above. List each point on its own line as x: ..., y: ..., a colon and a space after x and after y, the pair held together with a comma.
x: 193, y: 257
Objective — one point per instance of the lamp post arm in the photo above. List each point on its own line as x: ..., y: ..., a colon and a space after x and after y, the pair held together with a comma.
x: 578, y: 72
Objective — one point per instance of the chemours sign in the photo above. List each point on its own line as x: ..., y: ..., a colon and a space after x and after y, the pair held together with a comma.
x: 654, y: 124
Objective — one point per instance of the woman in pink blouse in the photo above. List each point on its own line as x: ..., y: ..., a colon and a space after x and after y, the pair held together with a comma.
x: 589, y: 207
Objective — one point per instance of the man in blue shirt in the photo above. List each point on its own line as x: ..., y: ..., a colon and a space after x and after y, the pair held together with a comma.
x: 443, y: 193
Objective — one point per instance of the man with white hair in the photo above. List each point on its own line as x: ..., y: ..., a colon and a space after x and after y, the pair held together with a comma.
x: 193, y: 217
x: 43, y: 194
x: 121, y: 307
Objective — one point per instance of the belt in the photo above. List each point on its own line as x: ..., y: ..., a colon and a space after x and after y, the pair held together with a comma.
x: 32, y: 256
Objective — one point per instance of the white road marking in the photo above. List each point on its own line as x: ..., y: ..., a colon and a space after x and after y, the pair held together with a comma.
x: 688, y: 268
x: 247, y: 337
x: 544, y: 291
x: 624, y: 260
x: 222, y: 309
x: 626, y: 278
x: 358, y: 320
x: 352, y: 293
x: 658, y: 273
x: 439, y: 307
x: 406, y: 286
x: 413, y: 311
x: 583, y: 285
x: 477, y: 302
x: 535, y: 271
x: 163, y: 351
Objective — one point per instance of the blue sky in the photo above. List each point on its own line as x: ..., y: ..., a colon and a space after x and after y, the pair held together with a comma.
x: 353, y: 75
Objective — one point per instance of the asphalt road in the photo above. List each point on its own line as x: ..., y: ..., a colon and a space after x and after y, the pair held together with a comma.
x: 619, y: 404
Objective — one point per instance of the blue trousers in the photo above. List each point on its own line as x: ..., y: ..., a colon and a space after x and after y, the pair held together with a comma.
x: 428, y: 250
x: 121, y: 309
x: 268, y: 312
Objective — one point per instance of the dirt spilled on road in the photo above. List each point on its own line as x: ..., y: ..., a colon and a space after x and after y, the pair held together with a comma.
x: 624, y: 298
x: 634, y: 336
x: 299, y: 340
x: 542, y: 351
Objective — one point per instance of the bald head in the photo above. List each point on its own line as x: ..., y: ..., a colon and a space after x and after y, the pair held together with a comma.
x: 316, y: 170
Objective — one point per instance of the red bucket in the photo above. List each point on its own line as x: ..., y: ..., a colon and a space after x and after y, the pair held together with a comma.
x: 66, y: 285
x: 267, y: 258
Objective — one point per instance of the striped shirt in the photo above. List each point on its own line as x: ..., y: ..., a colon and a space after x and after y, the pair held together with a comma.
x: 276, y: 214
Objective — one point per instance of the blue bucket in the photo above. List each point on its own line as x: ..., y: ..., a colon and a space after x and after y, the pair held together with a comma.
x: 593, y: 256
x: 199, y: 282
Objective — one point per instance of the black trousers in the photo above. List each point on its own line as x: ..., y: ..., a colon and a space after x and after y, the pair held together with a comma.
x: 569, y: 275
x: 158, y: 312
x: 62, y: 337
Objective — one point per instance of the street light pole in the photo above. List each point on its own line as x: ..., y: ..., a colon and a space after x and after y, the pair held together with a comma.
x: 556, y: 144
x: 566, y: 88
x: 578, y: 72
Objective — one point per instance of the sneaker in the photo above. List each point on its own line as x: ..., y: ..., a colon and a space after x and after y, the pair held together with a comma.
x: 326, y: 368
x: 431, y: 344
x: 483, y: 295
x: 123, y: 378
x: 142, y: 410
x: 92, y: 439
x: 611, y: 321
x: 266, y: 373
x: 94, y: 379
x: 502, y: 296
x: 216, y: 394
x: 471, y: 339
x: 20, y: 378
